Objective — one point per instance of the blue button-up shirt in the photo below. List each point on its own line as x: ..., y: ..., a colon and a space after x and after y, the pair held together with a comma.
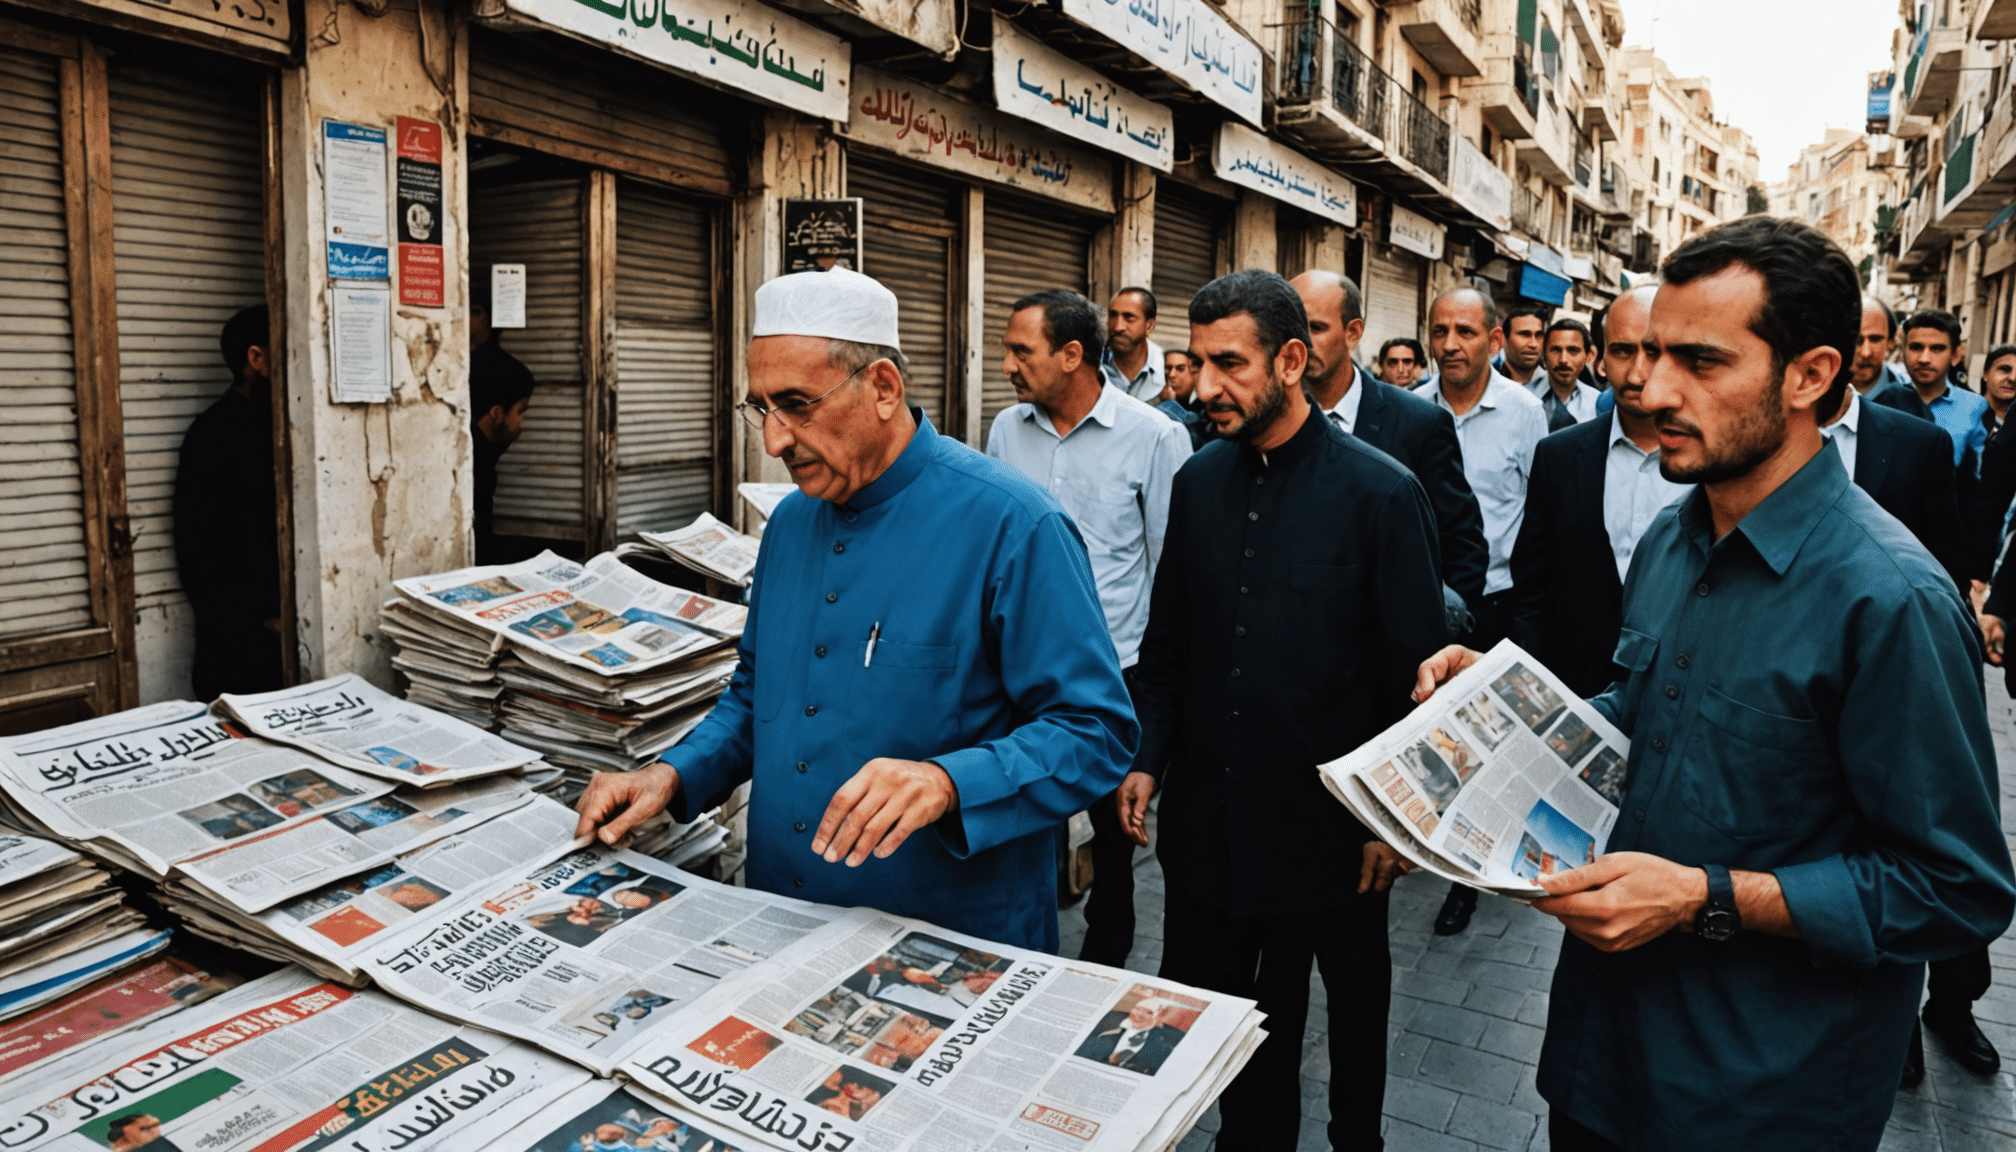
x: 992, y: 662
x: 1803, y: 697
x: 1498, y: 434
x: 1959, y: 411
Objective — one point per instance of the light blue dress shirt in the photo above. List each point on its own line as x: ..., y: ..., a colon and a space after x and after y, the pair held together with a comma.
x: 1958, y: 411
x: 1497, y: 435
x: 1112, y: 474
x: 1146, y: 385
x: 991, y: 661
x: 1634, y: 493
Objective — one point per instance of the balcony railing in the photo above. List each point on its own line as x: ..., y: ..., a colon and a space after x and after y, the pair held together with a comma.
x: 1358, y: 86
x: 1363, y: 93
x: 1524, y: 81
x: 1423, y: 137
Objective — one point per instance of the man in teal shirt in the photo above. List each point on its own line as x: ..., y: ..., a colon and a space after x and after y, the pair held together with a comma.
x: 1743, y: 965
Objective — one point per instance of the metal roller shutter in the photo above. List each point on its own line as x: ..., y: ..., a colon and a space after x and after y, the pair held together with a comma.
x: 665, y: 372
x: 907, y: 244
x: 1392, y: 296
x: 539, y: 225
x: 44, y: 584
x: 1186, y: 258
x: 188, y: 252
x: 1030, y: 246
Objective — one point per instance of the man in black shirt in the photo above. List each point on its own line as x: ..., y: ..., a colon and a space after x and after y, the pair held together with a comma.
x: 500, y: 390
x: 227, y: 537
x: 1299, y: 578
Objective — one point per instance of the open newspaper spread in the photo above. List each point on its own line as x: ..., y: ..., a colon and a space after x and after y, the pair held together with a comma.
x: 587, y: 950
x: 347, y: 721
x: 1501, y: 777
x: 600, y: 616
x: 885, y: 1033
x: 709, y: 547
x: 286, y: 1063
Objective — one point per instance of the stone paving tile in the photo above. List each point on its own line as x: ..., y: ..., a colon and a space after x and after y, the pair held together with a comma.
x: 1468, y: 1016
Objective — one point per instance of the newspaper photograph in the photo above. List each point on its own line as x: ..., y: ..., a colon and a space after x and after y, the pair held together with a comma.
x: 158, y: 785
x: 1500, y: 778
x: 112, y: 1006
x: 255, y: 872
x: 582, y: 952
x: 600, y: 616
x: 886, y: 1033
x: 710, y: 548
x: 347, y: 721
x: 602, y: 1116
x: 285, y: 1063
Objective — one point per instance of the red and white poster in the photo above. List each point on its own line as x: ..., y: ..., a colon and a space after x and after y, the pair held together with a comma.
x: 422, y: 267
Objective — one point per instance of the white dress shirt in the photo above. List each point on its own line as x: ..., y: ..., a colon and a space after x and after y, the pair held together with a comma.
x: 1846, y: 431
x: 1497, y: 436
x: 1581, y: 405
x: 1633, y: 493
x: 1344, y: 414
x: 1112, y: 473
x: 1147, y: 385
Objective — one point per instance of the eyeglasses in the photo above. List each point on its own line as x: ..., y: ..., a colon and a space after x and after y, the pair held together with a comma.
x: 790, y: 413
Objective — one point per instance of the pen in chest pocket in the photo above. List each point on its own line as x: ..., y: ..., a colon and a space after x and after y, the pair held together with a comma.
x: 874, y: 634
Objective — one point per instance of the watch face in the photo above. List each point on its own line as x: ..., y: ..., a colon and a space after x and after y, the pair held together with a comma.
x: 1716, y: 924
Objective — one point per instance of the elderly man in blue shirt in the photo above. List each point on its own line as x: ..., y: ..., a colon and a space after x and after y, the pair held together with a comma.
x: 1744, y: 964
x: 927, y: 690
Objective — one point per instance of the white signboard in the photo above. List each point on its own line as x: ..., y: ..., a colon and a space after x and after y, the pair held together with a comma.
x: 356, y: 211
x: 1036, y: 82
x: 360, y: 343
x: 1244, y: 157
x: 1415, y: 232
x: 1189, y: 40
x: 932, y: 128
x: 1480, y: 185
x: 507, y: 296
x: 735, y: 43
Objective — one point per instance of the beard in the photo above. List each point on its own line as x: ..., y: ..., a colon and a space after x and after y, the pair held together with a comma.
x: 1751, y: 441
x: 1273, y: 400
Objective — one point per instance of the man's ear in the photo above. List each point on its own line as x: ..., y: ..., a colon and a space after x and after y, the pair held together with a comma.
x: 1808, y: 377
x: 1073, y: 354
x: 1290, y: 362
x: 1496, y: 343
x: 255, y: 361
x: 887, y: 382
x: 1354, y: 331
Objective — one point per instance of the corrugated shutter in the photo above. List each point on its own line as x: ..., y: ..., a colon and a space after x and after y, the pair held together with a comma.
x: 665, y: 380
x: 1030, y: 246
x: 189, y: 251
x: 1186, y: 257
x: 539, y: 225
x: 44, y: 585
x: 907, y: 244
x: 1392, y: 296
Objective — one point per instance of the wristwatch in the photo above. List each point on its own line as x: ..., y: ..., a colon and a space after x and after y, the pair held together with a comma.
x: 1718, y: 920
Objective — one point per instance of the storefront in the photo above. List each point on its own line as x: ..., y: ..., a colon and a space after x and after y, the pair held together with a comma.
x: 912, y: 242
x: 1189, y: 253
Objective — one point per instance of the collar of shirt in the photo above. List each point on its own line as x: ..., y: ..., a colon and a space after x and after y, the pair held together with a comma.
x: 1851, y: 420
x: 1618, y: 437
x: 1493, y: 394
x: 1778, y: 526
x: 1346, y: 409
x: 909, y: 463
x: 1151, y: 369
x: 1305, y: 440
x: 1102, y: 412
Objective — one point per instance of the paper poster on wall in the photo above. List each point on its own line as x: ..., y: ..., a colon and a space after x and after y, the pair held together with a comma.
x: 507, y: 296
x: 820, y: 235
x: 355, y: 209
x: 360, y: 344
x: 421, y: 220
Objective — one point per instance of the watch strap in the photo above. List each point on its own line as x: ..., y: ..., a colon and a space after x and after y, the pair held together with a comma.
x: 1719, y: 919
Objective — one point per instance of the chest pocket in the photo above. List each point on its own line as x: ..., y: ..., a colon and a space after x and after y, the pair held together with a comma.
x: 1751, y: 773
x: 1635, y: 651
x: 904, y: 702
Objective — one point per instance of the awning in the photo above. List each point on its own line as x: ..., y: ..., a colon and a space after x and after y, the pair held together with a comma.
x: 1542, y: 286
x: 1548, y: 259
x: 1578, y: 268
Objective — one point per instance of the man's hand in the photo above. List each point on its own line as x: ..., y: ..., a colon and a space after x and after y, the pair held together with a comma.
x: 880, y: 807
x: 1382, y: 866
x: 1992, y: 636
x: 1132, y: 798
x: 1625, y: 899
x: 1437, y: 669
x: 619, y: 801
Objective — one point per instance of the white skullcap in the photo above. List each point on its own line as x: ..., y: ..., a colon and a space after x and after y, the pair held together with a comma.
x: 837, y: 304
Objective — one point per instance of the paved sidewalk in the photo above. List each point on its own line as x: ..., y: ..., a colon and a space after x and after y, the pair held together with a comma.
x: 1468, y: 1013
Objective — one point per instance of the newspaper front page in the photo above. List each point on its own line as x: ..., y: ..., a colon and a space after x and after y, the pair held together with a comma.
x: 603, y: 1116
x: 585, y: 951
x: 347, y: 721
x: 111, y: 1006
x: 601, y: 616
x: 1503, y: 776
x: 883, y: 1033
x: 164, y: 783
x: 286, y: 1063
x: 709, y: 547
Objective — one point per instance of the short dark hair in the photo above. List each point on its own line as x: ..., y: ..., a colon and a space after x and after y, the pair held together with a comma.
x: 1540, y: 312
x: 1354, y: 299
x: 1067, y: 316
x: 249, y: 329
x: 1566, y: 324
x: 1183, y: 352
x: 1997, y: 353
x: 1147, y: 299
x: 116, y: 1130
x: 1812, y: 293
x: 496, y: 380
x: 1407, y: 342
x: 1889, y: 314
x: 1265, y: 296
x: 1935, y: 318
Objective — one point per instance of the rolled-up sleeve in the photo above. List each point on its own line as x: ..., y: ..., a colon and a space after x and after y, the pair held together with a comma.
x: 1059, y: 667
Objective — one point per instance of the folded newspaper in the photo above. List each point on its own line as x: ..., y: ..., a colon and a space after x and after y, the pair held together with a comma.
x: 709, y: 547
x: 63, y: 922
x: 348, y: 721
x: 135, y: 993
x: 1501, y: 777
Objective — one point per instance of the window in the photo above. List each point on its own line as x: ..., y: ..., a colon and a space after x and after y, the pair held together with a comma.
x: 1550, y: 49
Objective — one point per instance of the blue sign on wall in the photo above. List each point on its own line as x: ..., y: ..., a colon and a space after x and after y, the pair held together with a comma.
x: 1542, y: 286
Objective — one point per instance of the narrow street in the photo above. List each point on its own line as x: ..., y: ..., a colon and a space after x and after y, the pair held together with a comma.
x: 1468, y: 1014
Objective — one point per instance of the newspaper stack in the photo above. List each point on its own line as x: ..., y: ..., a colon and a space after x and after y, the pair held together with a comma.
x: 63, y: 923
x: 706, y: 546
x: 448, y: 663
x: 1502, y: 777
x: 146, y: 988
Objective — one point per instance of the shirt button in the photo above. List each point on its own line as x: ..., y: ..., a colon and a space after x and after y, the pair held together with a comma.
x: 1249, y: 553
x: 1672, y: 693
x: 832, y: 596
x: 1638, y: 814
x: 1235, y: 673
x: 811, y: 710
x: 820, y: 651
x: 799, y: 881
x: 1701, y: 589
x: 1242, y: 590
x: 1239, y: 631
x: 851, y: 516
x: 1659, y: 744
x: 802, y: 765
x: 1252, y: 515
x: 839, y: 547
x: 1256, y: 480
x: 798, y: 827
x: 1681, y: 660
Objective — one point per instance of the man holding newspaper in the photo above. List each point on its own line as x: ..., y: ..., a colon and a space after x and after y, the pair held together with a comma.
x: 1812, y: 853
x: 924, y: 653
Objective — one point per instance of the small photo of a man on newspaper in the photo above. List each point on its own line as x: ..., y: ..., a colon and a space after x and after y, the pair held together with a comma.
x: 1529, y: 697
x: 229, y: 817
x: 1141, y: 1031
x: 929, y: 975
x: 1605, y: 774
x: 1571, y: 739
x: 1487, y: 720
x: 623, y: 1122
x: 849, y: 1092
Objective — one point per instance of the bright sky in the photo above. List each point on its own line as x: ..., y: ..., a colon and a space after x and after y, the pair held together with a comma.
x: 1782, y: 70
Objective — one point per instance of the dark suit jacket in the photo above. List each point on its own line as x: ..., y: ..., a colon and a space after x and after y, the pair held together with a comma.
x: 1898, y: 397
x: 1422, y: 437
x: 1907, y: 466
x: 1567, y: 604
x: 1162, y: 1040
x: 1984, y: 508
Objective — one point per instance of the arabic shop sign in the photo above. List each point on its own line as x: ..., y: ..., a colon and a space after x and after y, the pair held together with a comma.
x: 931, y: 128
x: 1480, y: 186
x: 1244, y: 157
x: 1187, y: 39
x: 1036, y: 82
x: 738, y: 44
x: 1414, y: 232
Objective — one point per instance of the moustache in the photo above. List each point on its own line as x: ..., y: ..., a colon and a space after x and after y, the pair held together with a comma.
x: 1224, y: 406
x: 1675, y: 425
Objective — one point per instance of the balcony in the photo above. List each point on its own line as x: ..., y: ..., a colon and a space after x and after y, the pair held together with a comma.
x: 1932, y: 75
x: 1980, y: 173
x: 1919, y: 236
x: 1445, y: 33
x: 1585, y: 166
x: 1599, y: 109
x: 1614, y: 201
x: 1645, y: 252
x: 1529, y: 212
x: 1549, y: 151
x: 1508, y: 97
x: 1995, y: 20
x: 1586, y: 25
